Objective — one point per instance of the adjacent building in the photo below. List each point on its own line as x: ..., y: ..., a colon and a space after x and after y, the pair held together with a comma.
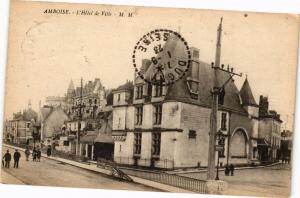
x: 19, y: 129
x: 51, y: 120
x: 269, y: 132
x: 286, y: 145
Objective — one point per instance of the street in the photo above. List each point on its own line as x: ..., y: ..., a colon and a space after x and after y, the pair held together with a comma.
x: 269, y: 181
x: 52, y: 173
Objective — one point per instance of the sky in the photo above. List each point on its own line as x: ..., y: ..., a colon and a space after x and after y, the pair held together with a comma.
x: 46, y: 51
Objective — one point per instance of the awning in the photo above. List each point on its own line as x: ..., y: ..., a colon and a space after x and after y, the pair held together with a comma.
x: 104, y: 138
x: 89, y: 137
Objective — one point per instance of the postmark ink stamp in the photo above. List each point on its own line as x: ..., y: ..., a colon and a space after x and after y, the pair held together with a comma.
x: 168, y: 53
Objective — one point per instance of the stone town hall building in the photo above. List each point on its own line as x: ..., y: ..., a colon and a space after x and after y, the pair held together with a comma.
x: 168, y: 126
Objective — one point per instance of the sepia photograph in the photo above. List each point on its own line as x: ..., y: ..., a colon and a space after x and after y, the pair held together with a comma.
x: 150, y: 99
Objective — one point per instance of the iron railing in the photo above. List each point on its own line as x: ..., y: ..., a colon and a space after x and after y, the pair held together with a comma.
x: 187, y: 183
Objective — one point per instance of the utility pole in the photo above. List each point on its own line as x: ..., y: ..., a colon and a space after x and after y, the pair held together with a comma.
x: 216, y: 90
x: 79, y: 120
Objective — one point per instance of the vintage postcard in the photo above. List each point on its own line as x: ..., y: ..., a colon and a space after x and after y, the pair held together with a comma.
x: 150, y: 99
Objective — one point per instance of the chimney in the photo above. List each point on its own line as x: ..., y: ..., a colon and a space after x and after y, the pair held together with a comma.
x: 263, y: 106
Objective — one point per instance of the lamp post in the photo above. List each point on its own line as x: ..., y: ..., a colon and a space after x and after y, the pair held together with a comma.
x: 219, y: 147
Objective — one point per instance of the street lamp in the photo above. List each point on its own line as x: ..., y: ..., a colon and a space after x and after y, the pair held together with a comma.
x: 219, y: 147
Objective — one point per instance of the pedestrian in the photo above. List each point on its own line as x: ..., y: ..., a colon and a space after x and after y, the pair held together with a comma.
x: 27, y: 153
x: 7, y: 158
x: 231, y: 167
x: 17, y: 157
x: 38, y: 155
x: 34, y: 154
x: 49, y: 151
x: 226, y: 170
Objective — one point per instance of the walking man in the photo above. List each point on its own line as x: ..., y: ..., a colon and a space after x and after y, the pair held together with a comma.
x: 27, y: 153
x: 227, y: 170
x: 17, y: 156
x: 7, y: 158
x: 34, y: 154
x: 38, y: 155
x: 231, y: 167
x: 49, y: 151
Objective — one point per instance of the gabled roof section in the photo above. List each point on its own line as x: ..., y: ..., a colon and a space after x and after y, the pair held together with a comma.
x: 246, y: 94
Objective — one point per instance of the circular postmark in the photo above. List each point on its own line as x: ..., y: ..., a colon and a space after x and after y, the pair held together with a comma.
x: 161, y: 57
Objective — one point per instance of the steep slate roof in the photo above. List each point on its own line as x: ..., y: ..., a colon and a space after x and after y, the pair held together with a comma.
x: 177, y: 49
x: 179, y: 91
x: 126, y: 86
x: 246, y: 94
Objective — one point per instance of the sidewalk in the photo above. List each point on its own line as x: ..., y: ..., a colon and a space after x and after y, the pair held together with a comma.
x: 93, y: 167
x: 201, y: 170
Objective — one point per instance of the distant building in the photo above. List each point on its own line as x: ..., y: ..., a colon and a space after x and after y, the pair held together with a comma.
x: 286, y: 144
x: 269, y: 132
x: 19, y: 129
x: 95, y: 134
x: 55, y: 101
x: 51, y: 120
x: 91, y: 97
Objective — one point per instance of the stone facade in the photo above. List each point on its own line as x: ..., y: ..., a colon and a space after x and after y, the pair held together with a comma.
x: 180, y: 138
x: 269, y: 131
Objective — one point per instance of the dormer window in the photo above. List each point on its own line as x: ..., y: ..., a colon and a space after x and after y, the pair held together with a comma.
x: 193, y: 88
x: 158, y: 90
x: 139, y: 92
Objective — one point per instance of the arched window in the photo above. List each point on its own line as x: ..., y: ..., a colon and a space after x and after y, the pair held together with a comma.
x: 239, y: 144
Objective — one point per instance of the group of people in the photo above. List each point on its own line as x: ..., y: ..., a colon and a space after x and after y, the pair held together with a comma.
x: 229, y: 170
x: 36, y: 154
x: 7, y: 158
x: 36, y: 157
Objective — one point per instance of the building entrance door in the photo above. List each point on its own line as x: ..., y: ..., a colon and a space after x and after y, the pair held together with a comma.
x: 89, y: 151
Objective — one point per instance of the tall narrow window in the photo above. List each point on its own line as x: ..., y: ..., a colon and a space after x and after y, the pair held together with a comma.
x: 221, y: 153
x: 119, y: 97
x: 139, y: 115
x: 137, y: 143
x: 156, y: 139
x: 139, y: 92
x: 158, y: 90
x: 223, y: 121
x: 157, y: 114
